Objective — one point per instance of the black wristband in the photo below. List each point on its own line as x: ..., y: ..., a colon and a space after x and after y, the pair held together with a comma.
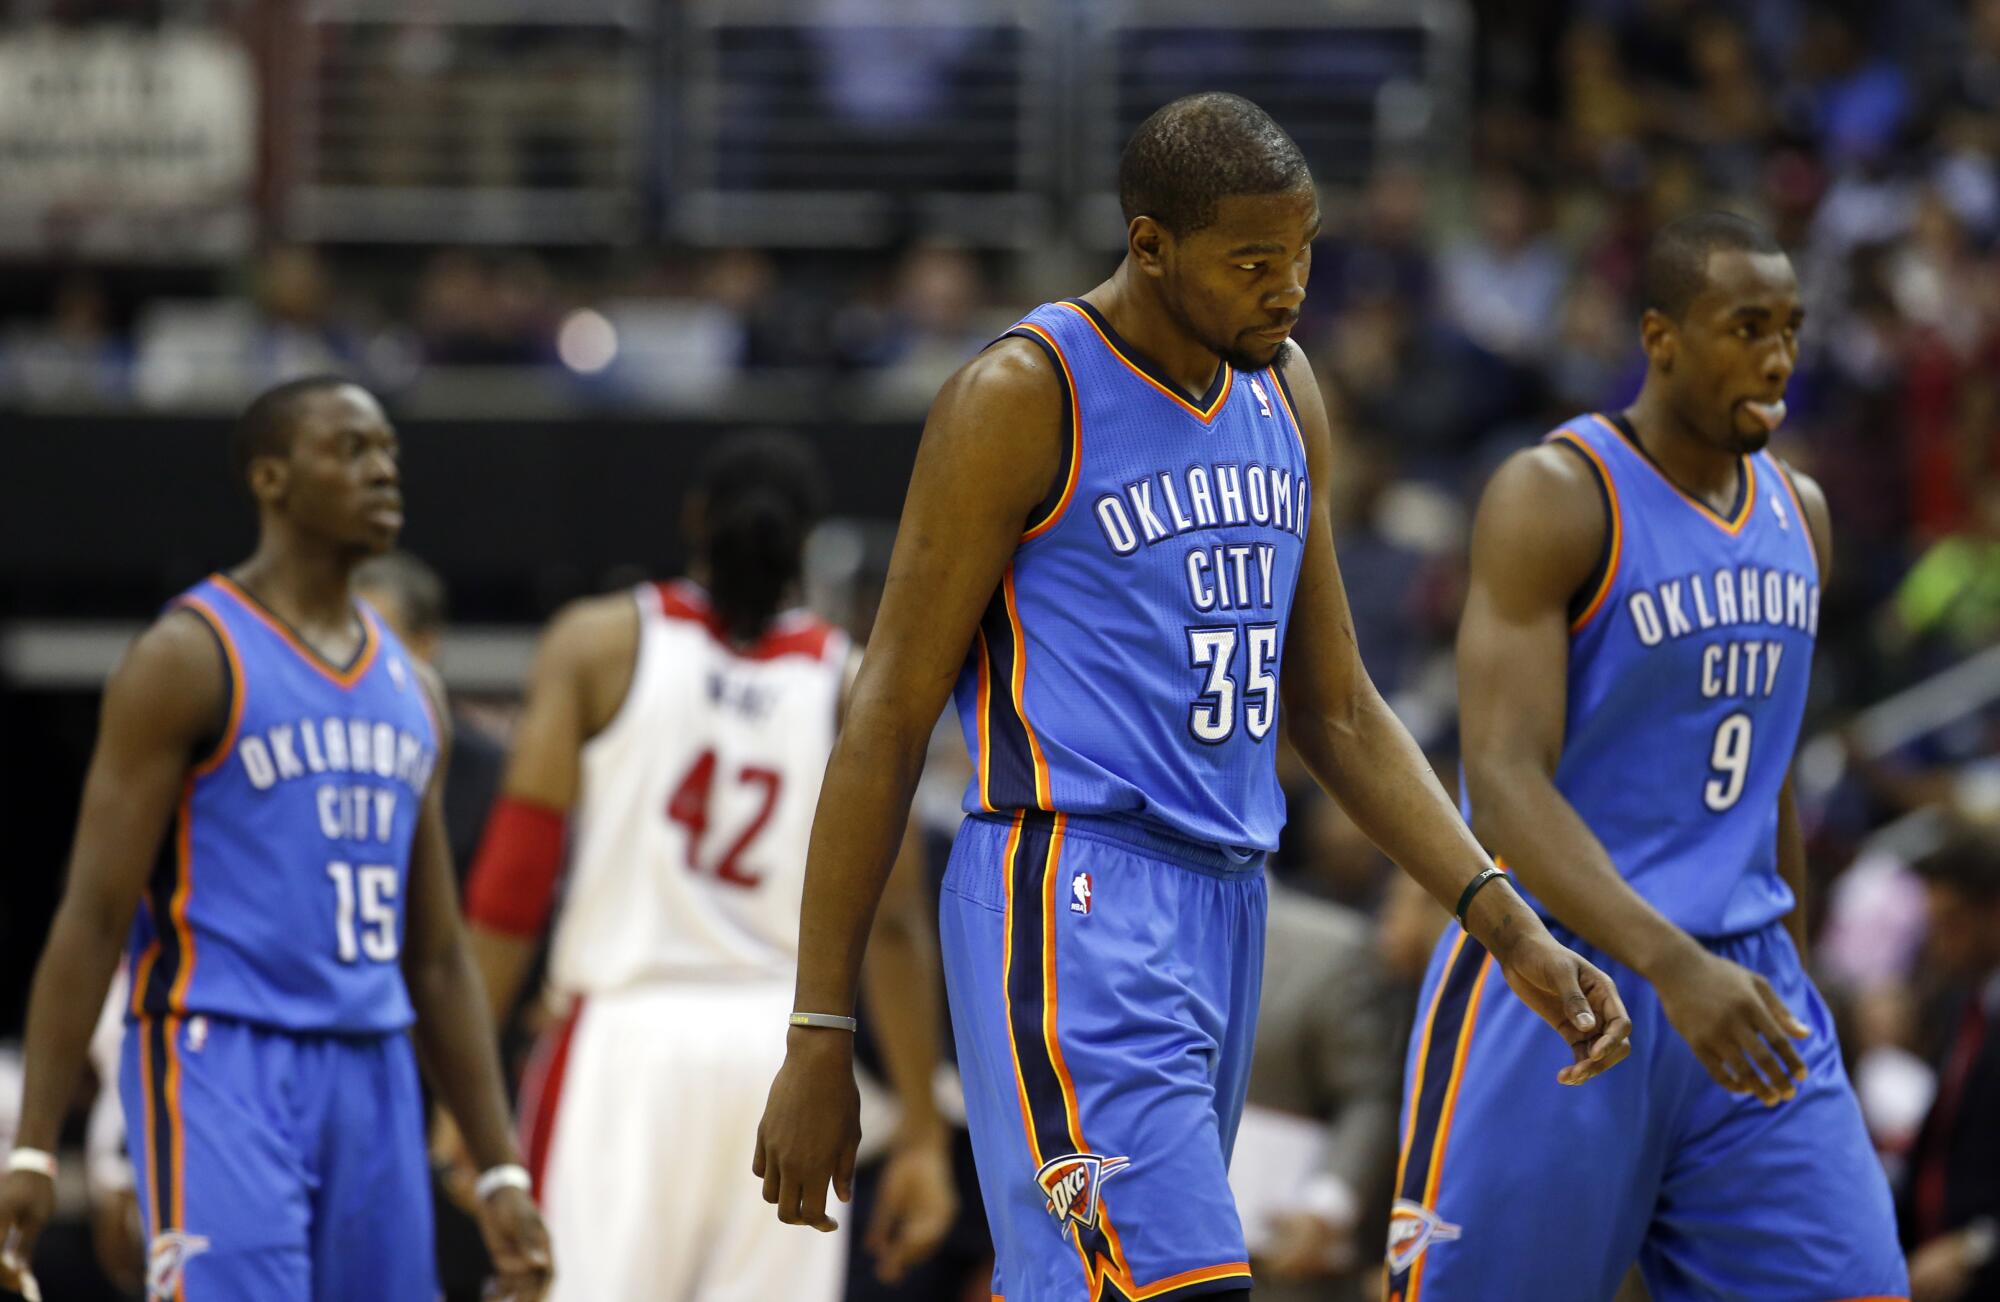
x: 1472, y: 888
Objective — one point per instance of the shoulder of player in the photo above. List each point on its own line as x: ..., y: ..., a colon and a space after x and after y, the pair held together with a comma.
x: 175, y: 672
x: 1544, y: 507
x: 434, y: 689
x: 1013, y: 372
x: 998, y: 422
x: 591, y: 630
x: 1813, y: 505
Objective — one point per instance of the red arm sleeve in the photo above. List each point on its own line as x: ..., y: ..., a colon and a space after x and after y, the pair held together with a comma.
x: 513, y: 882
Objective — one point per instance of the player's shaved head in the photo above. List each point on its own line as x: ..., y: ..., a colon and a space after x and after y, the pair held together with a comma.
x: 1200, y: 149
x: 267, y: 426
x: 1676, y: 267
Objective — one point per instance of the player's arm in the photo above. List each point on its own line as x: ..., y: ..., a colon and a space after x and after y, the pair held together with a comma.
x: 581, y: 673
x: 454, y: 1036
x: 1535, y: 542
x: 1791, y: 833
x: 900, y: 980
x: 989, y: 454
x: 1360, y: 752
x: 167, y: 698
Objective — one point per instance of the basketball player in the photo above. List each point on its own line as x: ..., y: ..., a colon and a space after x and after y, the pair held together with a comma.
x: 265, y: 795
x: 1632, y: 666
x: 1115, y: 531
x: 675, y: 737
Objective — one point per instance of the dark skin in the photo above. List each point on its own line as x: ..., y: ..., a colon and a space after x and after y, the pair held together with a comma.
x: 330, y: 502
x: 989, y: 454
x: 1537, y: 538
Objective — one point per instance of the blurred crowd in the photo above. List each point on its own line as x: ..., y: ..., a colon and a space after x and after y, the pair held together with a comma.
x: 1455, y: 314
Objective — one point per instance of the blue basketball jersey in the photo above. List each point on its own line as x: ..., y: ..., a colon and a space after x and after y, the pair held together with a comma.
x: 1688, y: 667
x: 1128, y: 664
x: 278, y: 899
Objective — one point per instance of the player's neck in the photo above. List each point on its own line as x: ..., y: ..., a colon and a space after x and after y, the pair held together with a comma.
x: 1132, y: 307
x: 307, y: 586
x: 1696, y: 465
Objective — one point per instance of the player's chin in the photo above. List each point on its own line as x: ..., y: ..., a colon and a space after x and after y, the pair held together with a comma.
x: 1254, y: 352
x: 1747, y: 434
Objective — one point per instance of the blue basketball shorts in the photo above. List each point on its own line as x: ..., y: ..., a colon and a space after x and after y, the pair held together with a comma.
x: 1511, y: 1185
x: 1103, y: 982
x: 274, y: 1167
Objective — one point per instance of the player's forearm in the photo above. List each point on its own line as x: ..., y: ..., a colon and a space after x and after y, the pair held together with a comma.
x: 1792, y: 863
x: 864, y: 804
x: 456, y: 1044
x: 899, y: 979
x: 63, y: 1006
x: 1523, y: 819
x: 503, y: 961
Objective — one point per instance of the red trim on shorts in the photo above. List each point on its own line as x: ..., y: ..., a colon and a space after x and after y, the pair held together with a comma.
x: 541, y: 1095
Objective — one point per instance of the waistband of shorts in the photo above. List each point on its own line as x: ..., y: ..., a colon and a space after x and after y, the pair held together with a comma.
x: 1144, y: 838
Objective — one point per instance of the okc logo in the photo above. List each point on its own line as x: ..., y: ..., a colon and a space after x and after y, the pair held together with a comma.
x: 1414, y: 1227
x: 1071, y: 1184
x: 167, y: 1259
x: 1079, y: 894
x: 1263, y: 398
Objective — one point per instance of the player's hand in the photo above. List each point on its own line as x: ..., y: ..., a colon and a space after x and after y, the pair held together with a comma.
x: 1306, y: 1246
x: 811, y: 1127
x: 1941, y: 1270
x: 1739, y: 1029
x: 452, y: 1161
x: 27, y: 1201
x: 1570, y: 994
x: 519, y: 1244
x: 120, y: 1242
x: 916, y: 1207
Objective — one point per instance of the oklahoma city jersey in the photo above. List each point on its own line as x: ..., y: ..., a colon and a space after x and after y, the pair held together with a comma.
x: 1688, y: 669
x: 697, y: 801
x: 279, y: 898
x: 1128, y: 663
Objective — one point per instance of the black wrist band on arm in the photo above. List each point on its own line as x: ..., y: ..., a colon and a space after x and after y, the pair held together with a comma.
x: 1472, y: 888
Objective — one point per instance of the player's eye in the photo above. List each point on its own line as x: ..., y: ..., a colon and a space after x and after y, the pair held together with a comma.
x: 1249, y: 266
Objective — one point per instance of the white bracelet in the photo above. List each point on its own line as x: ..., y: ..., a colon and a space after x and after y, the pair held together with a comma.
x: 509, y: 1176
x: 32, y: 1159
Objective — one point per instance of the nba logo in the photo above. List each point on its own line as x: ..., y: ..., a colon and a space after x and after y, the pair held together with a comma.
x: 1778, y: 509
x: 1079, y: 894
x: 1263, y: 398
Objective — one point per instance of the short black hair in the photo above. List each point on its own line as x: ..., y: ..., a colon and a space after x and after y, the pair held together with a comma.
x: 1676, y: 267
x: 1198, y: 150
x: 418, y: 589
x: 266, y: 427
x: 1968, y: 862
x: 760, y: 494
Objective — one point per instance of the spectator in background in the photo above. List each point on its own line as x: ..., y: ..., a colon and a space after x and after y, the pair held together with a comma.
x: 1950, y: 1205
x: 1501, y: 288
x: 1326, y: 1054
x: 71, y: 358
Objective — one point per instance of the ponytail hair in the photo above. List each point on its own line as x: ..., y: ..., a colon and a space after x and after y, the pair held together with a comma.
x: 759, y: 496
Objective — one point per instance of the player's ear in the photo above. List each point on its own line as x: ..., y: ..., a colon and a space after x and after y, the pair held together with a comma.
x: 269, y: 478
x: 1661, y: 339
x: 1148, y: 241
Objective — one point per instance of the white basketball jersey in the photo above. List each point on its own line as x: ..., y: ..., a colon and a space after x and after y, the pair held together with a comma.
x: 689, y: 834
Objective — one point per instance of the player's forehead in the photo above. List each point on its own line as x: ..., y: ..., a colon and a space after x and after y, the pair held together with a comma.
x: 1739, y: 282
x: 329, y: 415
x: 1282, y: 220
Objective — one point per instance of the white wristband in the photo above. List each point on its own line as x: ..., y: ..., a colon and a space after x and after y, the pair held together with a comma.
x: 32, y: 1159
x: 510, y: 1176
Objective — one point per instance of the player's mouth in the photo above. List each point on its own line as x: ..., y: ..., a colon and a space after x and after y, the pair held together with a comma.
x: 386, y: 512
x: 1278, y: 334
x: 1768, y: 415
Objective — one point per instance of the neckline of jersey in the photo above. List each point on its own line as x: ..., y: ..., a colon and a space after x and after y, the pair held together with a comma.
x: 1203, y: 408
x: 342, y: 675
x: 1746, y: 477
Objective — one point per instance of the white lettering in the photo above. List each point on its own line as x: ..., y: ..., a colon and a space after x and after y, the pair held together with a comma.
x: 1795, y: 601
x: 1699, y: 591
x: 1200, y: 591
x: 1141, y: 497
x: 335, y: 733
x: 385, y: 751
x: 385, y: 812
x: 1117, y: 529
x: 328, y: 799
x: 1199, y: 497
x: 1229, y: 492
x: 1181, y: 522
x: 1711, y: 657
x: 1260, y: 493
x: 1645, y: 618
x: 1725, y: 597
x: 1670, y: 601
x: 1774, y: 597
x: 1267, y: 556
x: 309, y: 738
x: 281, y: 750
x: 257, y: 763
x: 1281, y: 498
x: 1753, y: 609
x: 1773, y: 652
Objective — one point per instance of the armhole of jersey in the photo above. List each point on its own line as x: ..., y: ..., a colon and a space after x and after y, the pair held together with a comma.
x: 646, y: 603
x: 1590, y: 594
x: 1050, y: 509
x: 1799, y: 505
x: 1291, y: 405
x: 212, y: 751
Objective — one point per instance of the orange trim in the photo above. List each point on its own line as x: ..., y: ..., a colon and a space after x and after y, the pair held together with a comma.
x: 371, y: 639
x: 178, y: 1134
x: 1714, y: 517
x: 207, y: 614
x: 1298, y: 430
x: 184, y: 857
x: 1055, y: 515
x: 1450, y: 1106
x: 1617, y: 529
x: 985, y: 737
x: 1228, y: 378
x: 142, y: 972
x: 1006, y: 980
x: 1200, y: 1276
x: 1812, y: 547
x: 1423, y: 1058
x: 1042, y: 799
x: 152, y: 1152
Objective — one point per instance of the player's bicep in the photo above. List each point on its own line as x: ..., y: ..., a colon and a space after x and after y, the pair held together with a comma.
x: 1534, y: 544
x: 559, y: 716
x: 1322, y: 660
x: 165, y: 700
x: 431, y: 906
x: 989, y: 455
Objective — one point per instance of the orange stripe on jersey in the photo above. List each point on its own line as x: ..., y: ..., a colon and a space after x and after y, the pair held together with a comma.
x: 985, y: 756
x: 1055, y: 514
x: 1714, y: 517
x: 1041, y: 763
x: 1450, y: 1107
x: 1186, y: 1279
x: 1204, y: 415
x: 1007, y: 980
x: 183, y: 890
x: 371, y: 640
x: 1423, y: 1059
x: 177, y: 1132
x: 208, y: 615
x: 1298, y: 430
x: 145, y: 1037
x: 1805, y: 524
x: 1616, y: 524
